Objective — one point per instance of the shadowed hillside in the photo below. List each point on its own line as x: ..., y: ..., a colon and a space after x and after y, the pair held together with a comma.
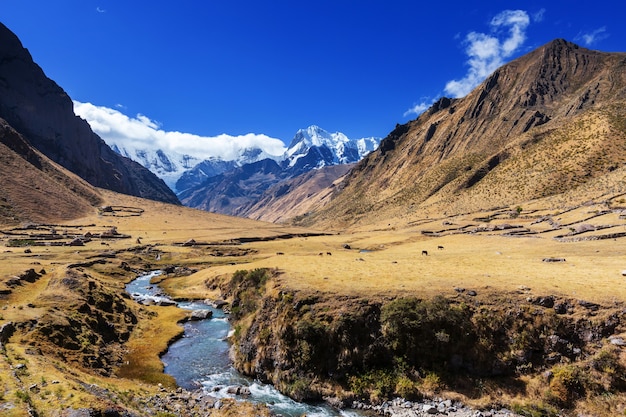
x: 36, y: 189
x: 550, y: 123
x: 42, y: 112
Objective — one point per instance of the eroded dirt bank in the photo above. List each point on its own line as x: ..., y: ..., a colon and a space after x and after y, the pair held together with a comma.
x: 538, y: 354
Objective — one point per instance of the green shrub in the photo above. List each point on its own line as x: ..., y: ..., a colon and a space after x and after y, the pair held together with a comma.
x: 568, y: 384
x: 426, y: 333
x: 378, y: 385
x: 407, y: 388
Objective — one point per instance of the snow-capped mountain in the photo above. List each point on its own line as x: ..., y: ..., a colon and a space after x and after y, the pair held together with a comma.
x: 314, y: 147
x: 167, y: 166
x: 344, y: 150
x: 172, y: 166
x: 232, y: 191
x: 310, y: 148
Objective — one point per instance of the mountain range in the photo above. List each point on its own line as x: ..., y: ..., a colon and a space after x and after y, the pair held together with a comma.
x: 546, y: 126
x: 232, y: 186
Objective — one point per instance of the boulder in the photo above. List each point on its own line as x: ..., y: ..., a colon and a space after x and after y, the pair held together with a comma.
x: 197, y: 315
x: 6, y: 331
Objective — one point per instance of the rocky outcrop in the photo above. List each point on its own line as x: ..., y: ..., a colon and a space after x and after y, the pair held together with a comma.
x: 91, y: 331
x: 43, y: 113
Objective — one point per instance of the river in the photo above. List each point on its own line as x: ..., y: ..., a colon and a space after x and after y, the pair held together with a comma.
x: 200, y: 359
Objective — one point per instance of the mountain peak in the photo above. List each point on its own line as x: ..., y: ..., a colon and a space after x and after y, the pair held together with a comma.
x: 545, y: 123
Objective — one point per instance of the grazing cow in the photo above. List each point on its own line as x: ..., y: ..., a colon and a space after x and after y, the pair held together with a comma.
x: 280, y: 253
x: 328, y: 253
x: 440, y: 247
x: 425, y: 252
x: 321, y: 254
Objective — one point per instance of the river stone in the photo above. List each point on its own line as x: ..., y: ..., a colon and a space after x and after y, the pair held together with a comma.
x: 201, y: 315
x: 165, y: 303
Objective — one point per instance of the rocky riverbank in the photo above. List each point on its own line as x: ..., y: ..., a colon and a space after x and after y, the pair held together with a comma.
x: 400, y: 407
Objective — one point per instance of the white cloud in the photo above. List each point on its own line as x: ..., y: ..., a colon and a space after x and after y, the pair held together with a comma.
x: 538, y: 16
x: 417, y: 109
x: 590, y: 38
x: 100, y: 10
x: 140, y: 132
x: 487, y: 52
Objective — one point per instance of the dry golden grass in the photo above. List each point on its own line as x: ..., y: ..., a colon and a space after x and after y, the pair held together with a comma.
x: 384, y: 260
x: 150, y: 337
x: 387, y: 262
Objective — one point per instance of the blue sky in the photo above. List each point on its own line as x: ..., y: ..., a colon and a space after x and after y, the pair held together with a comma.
x: 264, y: 69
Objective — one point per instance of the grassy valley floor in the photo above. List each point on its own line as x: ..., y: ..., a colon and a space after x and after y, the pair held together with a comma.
x: 69, y: 328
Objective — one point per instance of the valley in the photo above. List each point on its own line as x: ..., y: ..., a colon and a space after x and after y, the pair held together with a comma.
x: 540, y: 261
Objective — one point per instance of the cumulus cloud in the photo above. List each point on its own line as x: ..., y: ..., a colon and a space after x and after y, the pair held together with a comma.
x: 487, y: 52
x: 592, y: 37
x: 140, y: 132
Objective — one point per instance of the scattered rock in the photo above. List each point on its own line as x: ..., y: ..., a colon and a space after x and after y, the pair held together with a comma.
x: 561, y: 308
x: 589, y: 305
x: 216, y: 303
x: 76, y: 242
x: 547, y: 302
x: 165, y: 303
x: 553, y: 259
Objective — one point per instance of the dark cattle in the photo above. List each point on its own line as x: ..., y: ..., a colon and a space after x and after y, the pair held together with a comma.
x: 328, y: 253
x: 280, y: 253
x: 321, y: 254
x: 425, y: 252
x: 440, y: 247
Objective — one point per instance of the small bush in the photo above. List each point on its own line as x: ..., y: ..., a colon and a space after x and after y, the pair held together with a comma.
x: 378, y: 384
x: 431, y: 383
x: 22, y: 396
x: 407, y: 388
x: 567, y: 385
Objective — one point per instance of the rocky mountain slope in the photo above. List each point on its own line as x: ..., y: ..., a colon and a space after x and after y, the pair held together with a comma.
x: 35, y: 189
x: 297, y: 196
x: 42, y: 112
x: 242, y: 191
x: 550, y: 123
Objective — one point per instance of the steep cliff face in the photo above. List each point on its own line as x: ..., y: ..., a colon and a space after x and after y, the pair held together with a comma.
x: 43, y: 113
x: 542, y: 124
